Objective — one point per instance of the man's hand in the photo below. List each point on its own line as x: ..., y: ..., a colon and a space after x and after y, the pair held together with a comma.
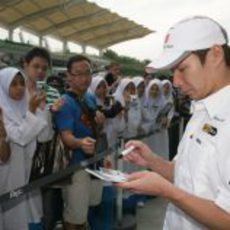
x: 149, y: 183
x: 141, y: 155
x: 88, y: 145
x: 99, y: 118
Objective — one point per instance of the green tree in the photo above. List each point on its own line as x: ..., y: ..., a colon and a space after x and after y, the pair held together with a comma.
x: 130, y: 66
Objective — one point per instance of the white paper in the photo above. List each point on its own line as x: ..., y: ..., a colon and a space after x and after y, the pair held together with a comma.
x: 108, y: 175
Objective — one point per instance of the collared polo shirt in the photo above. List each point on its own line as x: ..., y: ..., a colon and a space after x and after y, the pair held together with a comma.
x: 71, y: 117
x: 202, y: 165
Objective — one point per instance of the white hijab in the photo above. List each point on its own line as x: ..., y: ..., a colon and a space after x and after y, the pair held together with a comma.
x: 118, y: 95
x: 169, y: 97
x: 137, y: 80
x: 93, y: 86
x: 95, y: 82
x: 14, y: 111
x: 149, y: 100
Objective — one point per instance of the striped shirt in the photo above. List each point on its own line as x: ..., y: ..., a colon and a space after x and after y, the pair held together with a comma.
x: 52, y: 94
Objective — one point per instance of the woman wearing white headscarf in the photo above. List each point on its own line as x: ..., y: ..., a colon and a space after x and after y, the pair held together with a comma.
x: 137, y: 113
x: 125, y: 94
x: 131, y: 115
x: 140, y: 89
x: 172, y: 122
x: 118, y: 123
x: 23, y: 127
x: 167, y: 91
x: 99, y: 82
x: 107, y: 106
x: 99, y: 90
x: 154, y: 103
x: 139, y: 83
x: 120, y: 93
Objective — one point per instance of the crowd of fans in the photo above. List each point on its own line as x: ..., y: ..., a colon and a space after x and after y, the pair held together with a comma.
x: 38, y: 112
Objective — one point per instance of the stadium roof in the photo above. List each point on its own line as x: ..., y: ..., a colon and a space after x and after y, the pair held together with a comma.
x: 70, y: 20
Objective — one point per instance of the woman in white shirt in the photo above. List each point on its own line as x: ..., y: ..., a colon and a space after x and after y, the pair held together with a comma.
x: 130, y: 117
x: 25, y: 124
x: 140, y: 90
x: 154, y: 103
x: 167, y: 91
x: 125, y: 94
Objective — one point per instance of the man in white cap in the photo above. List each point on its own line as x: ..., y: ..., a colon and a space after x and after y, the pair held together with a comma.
x: 197, y: 182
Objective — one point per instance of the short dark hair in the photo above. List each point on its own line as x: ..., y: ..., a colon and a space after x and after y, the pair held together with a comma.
x: 202, y: 54
x: 54, y: 78
x: 77, y: 58
x: 38, y: 52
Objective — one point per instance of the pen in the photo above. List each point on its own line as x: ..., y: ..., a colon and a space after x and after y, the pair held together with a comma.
x: 126, y: 151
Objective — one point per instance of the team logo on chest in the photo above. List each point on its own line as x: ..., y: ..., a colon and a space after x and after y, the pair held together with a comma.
x: 209, y: 129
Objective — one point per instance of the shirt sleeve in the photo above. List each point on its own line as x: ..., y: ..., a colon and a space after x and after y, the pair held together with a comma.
x: 223, y: 197
x: 27, y: 131
x: 64, y: 119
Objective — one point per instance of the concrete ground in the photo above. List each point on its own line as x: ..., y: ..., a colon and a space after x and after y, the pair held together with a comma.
x: 151, y: 216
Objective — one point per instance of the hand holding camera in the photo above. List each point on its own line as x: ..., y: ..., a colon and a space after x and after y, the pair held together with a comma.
x: 36, y: 100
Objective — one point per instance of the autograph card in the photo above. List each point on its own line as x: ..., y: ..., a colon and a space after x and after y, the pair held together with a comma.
x: 108, y: 175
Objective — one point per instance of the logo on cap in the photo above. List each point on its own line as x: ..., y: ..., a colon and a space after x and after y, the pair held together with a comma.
x: 167, y: 39
x: 166, y: 42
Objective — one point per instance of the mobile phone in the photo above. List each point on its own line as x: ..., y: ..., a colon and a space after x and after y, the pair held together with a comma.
x: 41, y: 86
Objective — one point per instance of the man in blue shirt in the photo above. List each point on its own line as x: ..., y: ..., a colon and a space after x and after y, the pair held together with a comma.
x: 77, y: 122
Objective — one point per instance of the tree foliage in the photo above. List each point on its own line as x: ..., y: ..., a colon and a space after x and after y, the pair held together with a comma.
x: 130, y: 66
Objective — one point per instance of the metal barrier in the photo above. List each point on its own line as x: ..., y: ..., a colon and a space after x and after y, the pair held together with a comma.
x: 18, y: 192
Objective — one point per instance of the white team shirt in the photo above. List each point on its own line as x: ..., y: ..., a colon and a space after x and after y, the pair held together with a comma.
x: 203, y: 161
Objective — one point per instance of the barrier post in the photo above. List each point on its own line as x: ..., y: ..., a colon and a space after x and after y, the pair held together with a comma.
x: 119, y: 198
x: 123, y: 222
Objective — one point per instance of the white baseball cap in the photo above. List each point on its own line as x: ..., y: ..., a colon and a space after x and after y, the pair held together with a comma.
x: 191, y: 34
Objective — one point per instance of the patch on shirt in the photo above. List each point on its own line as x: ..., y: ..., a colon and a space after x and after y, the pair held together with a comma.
x: 86, y: 120
x: 198, y: 141
x: 218, y: 119
x: 209, y: 129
